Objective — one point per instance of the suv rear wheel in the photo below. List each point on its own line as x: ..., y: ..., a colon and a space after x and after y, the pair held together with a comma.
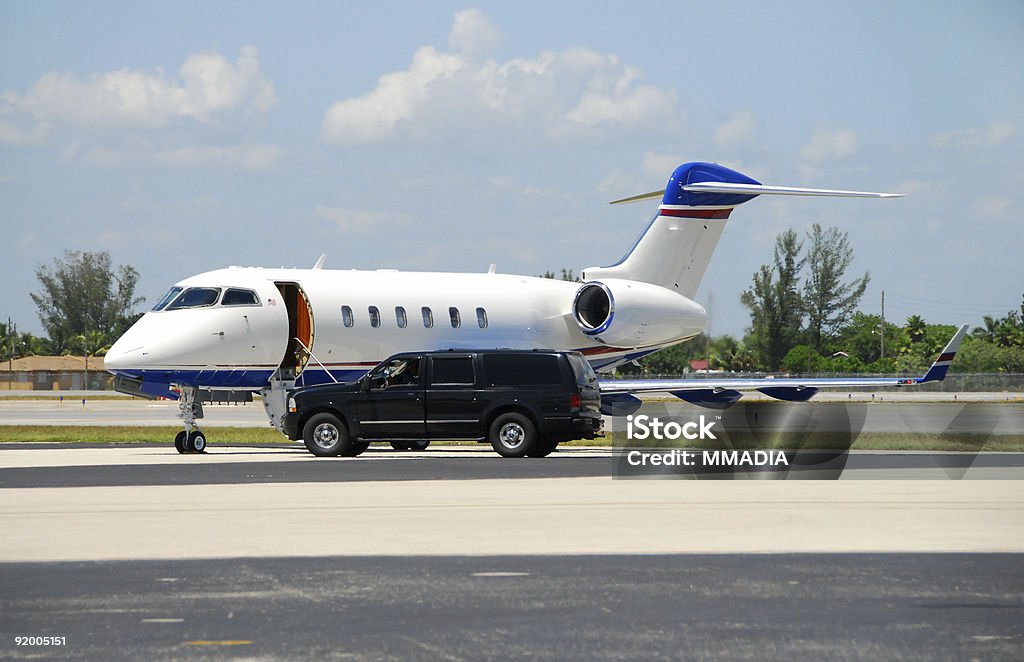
x: 325, y: 435
x: 512, y: 435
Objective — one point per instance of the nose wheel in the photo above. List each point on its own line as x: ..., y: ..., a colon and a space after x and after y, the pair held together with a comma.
x: 190, y: 407
x: 190, y: 442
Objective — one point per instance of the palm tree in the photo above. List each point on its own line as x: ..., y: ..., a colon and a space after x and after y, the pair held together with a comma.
x: 916, y: 328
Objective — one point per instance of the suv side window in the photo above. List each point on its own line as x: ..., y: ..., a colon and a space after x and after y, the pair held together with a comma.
x: 522, y: 369
x: 397, y: 373
x: 452, y: 370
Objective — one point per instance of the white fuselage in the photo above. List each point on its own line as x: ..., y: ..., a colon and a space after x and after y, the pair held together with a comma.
x: 241, y: 346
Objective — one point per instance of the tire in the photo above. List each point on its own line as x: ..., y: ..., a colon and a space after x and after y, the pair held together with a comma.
x: 420, y: 445
x: 197, y: 441
x: 179, y: 442
x: 355, y: 448
x: 325, y: 435
x: 400, y: 445
x: 512, y: 435
x: 543, y: 448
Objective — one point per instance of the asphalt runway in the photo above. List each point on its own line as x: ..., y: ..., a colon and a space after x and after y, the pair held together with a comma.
x: 739, y: 607
x: 137, y: 552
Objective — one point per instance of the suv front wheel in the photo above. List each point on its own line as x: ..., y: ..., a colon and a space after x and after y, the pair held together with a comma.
x: 325, y: 435
x: 512, y: 435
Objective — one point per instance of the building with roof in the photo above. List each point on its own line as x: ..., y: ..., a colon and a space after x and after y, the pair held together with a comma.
x: 54, y: 373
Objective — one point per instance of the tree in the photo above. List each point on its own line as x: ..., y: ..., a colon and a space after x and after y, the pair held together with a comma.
x: 828, y: 301
x: 82, y: 295
x: 14, y: 345
x: 915, y: 328
x: 566, y: 274
x: 775, y: 304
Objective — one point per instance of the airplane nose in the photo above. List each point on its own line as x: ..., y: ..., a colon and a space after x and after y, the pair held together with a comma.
x: 124, y: 353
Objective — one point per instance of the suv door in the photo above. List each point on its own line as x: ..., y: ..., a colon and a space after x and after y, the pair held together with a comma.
x: 453, y: 403
x: 393, y: 408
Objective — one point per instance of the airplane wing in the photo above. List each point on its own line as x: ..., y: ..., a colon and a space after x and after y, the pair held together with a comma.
x: 618, y: 399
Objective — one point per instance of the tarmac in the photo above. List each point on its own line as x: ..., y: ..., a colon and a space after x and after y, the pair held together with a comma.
x: 137, y: 552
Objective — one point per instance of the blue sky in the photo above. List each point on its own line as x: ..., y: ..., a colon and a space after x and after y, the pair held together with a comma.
x: 448, y: 136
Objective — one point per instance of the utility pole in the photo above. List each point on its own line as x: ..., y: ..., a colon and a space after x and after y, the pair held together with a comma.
x: 13, y: 332
x: 883, y: 324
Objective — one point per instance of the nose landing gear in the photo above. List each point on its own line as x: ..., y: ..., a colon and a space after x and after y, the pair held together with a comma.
x: 190, y: 407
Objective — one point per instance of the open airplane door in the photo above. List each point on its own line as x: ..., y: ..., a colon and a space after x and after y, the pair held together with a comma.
x: 300, y: 330
x: 296, y: 354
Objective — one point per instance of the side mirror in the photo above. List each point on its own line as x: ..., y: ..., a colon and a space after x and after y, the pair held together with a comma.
x: 364, y: 383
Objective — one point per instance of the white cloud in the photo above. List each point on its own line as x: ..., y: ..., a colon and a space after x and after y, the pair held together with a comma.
x: 361, y: 220
x: 824, y: 146
x: 206, y: 87
x: 661, y: 166
x: 11, y: 134
x: 245, y: 157
x: 574, y: 93
x: 994, y: 135
x: 992, y: 208
x: 829, y: 145
x: 737, y: 130
x: 473, y: 34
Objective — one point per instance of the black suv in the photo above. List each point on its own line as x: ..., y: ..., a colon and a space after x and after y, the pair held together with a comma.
x: 524, y: 402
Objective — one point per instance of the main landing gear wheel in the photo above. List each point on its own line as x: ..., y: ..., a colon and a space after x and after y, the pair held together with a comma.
x: 179, y: 441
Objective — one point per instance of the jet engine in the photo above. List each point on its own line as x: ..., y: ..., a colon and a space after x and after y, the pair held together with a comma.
x: 629, y: 313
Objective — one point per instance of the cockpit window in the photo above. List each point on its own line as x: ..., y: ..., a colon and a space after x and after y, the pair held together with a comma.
x: 234, y: 296
x: 167, y: 298
x: 196, y: 297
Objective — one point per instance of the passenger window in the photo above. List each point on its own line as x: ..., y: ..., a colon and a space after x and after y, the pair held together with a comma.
x: 400, y: 317
x: 346, y: 316
x: 428, y: 317
x: 481, y: 318
x: 236, y: 297
x: 453, y: 313
x: 522, y: 369
x: 196, y: 297
x: 167, y: 298
x: 374, y: 316
x: 452, y: 370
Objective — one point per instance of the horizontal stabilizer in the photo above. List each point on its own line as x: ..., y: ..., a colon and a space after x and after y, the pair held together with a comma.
x: 761, y: 189
x: 756, y: 189
x: 639, y: 198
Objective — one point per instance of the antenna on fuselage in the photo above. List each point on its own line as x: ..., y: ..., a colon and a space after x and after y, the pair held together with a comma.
x: 320, y: 263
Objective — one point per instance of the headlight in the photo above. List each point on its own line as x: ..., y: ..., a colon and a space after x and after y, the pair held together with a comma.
x: 291, y: 405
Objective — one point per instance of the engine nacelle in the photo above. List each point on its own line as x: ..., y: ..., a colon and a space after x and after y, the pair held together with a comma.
x: 629, y: 313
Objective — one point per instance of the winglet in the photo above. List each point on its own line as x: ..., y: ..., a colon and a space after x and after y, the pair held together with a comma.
x: 938, y: 370
x: 320, y: 263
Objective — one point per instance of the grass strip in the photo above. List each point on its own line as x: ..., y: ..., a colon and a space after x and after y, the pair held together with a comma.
x: 888, y: 441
